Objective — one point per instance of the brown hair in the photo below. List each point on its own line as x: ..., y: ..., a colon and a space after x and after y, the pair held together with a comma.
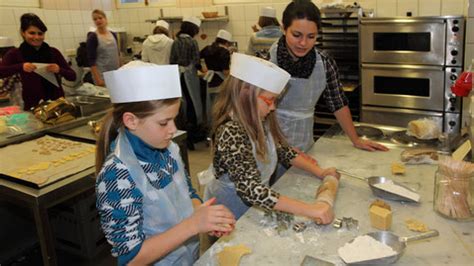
x: 161, y: 30
x: 112, y: 122
x: 99, y: 12
x: 267, y: 21
x: 237, y: 101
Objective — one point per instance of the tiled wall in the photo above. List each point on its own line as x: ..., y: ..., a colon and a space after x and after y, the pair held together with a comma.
x: 69, y: 20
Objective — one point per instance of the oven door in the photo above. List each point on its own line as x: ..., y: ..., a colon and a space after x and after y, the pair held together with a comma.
x: 404, y: 86
x: 404, y: 41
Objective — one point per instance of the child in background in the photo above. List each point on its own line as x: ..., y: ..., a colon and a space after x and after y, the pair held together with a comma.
x: 149, y: 212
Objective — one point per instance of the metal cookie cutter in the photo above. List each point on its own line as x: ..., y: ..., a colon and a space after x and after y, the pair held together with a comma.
x: 299, y: 227
x: 350, y: 222
x: 337, y: 223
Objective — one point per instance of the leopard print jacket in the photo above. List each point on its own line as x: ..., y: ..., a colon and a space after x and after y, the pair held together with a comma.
x: 233, y: 156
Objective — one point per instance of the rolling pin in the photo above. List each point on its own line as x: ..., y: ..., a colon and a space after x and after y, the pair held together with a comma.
x: 327, y: 192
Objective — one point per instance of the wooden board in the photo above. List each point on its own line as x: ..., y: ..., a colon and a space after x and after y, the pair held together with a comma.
x: 45, y: 160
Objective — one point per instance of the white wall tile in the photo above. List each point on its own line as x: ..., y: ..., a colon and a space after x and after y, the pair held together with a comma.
x: 50, y: 17
x: 470, y: 30
x: 186, y: 12
x: 279, y: 8
x: 369, y: 4
x: 252, y: 12
x: 76, y: 17
x: 56, y: 43
x: 469, y: 55
x: 78, y: 31
x: 64, y: 16
x: 7, y: 17
x: 54, y: 32
x: 197, y: 11
x: 66, y: 31
x: 405, y: 6
x: 39, y: 12
x: 386, y: 8
x: 69, y: 43
x: 132, y: 15
x: 471, y: 8
x: 20, y: 11
x: 242, y: 43
x: 429, y: 7
x: 452, y: 7
x: 238, y: 28
x: 236, y: 13
x: 87, y: 17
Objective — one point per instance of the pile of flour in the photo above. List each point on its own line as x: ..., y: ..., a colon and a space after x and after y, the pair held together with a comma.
x: 391, y: 187
x: 364, y: 248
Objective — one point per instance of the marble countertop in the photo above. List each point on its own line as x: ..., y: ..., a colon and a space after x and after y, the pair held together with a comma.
x: 454, y: 246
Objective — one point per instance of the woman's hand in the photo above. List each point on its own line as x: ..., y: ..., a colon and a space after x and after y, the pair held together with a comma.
x: 330, y: 171
x: 321, y: 213
x: 368, y: 145
x: 53, y: 68
x: 29, y: 67
x: 100, y: 82
x: 209, y: 218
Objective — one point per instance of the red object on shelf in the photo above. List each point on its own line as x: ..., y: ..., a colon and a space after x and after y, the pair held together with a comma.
x: 463, y: 85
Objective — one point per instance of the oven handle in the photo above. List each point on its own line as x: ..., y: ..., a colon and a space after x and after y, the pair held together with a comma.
x: 402, y: 20
x: 398, y: 66
x: 402, y: 111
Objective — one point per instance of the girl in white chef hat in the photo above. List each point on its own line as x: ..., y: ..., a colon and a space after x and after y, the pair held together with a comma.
x: 248, y: 144
x: 149, y: 212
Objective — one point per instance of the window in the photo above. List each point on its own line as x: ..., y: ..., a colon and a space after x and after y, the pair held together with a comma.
x: 143, y: 3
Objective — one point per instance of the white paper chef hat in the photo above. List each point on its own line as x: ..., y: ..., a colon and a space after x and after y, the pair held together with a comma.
x: 163, y: 24
x: 195, y: 20
x: 268, y: 11
x: 259, y: 72
x: 6, y: 42
x: 139, y: 81
x: 223, y: 34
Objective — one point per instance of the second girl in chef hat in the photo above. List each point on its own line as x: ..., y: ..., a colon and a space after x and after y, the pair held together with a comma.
x: 248, y: 144
x: 144, y: 196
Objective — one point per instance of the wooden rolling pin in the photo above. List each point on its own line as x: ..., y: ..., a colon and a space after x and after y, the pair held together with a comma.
x: 327, y: 192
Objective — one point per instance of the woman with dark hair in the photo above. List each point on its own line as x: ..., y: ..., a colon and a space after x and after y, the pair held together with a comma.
x: 157, y: 47
x: 314, y: 74
x: 102, y: 48
x: 185, y: 53
x: 269, y: 32
x: 33, y: 50
x: 10, y: 87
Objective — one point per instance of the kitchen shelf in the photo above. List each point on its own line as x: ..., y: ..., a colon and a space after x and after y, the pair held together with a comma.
x: 176, y: 19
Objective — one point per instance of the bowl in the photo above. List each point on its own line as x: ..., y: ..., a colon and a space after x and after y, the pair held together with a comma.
x: 212, y: 14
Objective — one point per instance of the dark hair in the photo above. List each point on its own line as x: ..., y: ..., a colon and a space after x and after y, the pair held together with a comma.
x: 188, y: 28
x: 161, y: 30
x: 267, y: 21
x: 221, y: 41
x: 29, y: 19
x: 301, y: 9
x: 111, y: 123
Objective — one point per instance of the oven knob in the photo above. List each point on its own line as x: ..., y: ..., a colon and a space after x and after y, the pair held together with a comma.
x: 453, y: 77
x: 452, y: 109
x: 453, y: 62
x: 452, y: 100
x: 455, y: 29
x: 454, y: 52
x: 452, y: 123
x: 455, y: 21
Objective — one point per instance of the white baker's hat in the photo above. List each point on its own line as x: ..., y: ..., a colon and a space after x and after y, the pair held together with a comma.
x: 195, y: 20
x: 223, y: 34
x: 261, y: 73
x: 163, y: 24
x: 138, y: 81
x: 268, y: 11
x: 6, y: 42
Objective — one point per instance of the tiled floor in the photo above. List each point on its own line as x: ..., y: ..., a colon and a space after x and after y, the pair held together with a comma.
x: 199, y: 160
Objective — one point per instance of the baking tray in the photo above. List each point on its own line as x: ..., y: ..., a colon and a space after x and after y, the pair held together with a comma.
x: 42, y: 161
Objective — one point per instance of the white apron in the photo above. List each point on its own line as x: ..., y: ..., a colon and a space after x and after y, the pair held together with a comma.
x: 295, y: 109
x: 224, y: 189
x: 162, y: 208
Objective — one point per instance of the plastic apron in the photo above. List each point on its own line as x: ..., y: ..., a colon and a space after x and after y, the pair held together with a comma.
x: 162, y: 208
x: 107, y: 55
x: 295, y: 110
x: 224, y: 189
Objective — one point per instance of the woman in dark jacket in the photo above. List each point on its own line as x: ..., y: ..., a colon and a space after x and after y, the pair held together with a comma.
x: 23, y: 61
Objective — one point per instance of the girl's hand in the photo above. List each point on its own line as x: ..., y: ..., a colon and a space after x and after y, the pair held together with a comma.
x: 53, y: 68
x: 208, y: 218
x: 100, y: 82
x: 321, y: 213
x: 330, y: 171
x: 29, y: 67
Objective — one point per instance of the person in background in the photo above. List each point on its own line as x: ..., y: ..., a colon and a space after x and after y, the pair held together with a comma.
x: 248, y: 144
x: 313, y: 74
x: 185, y: 53
x: 217, y: 59
x: 8, y: 85
x: 269, y: 32
x: 33, y: 50
x: 102, y: 48
x: 157, y: 47
x: 149, y: 211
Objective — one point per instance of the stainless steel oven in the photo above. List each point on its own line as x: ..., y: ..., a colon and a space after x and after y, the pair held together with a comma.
x: 407, y: 68
x: 421, y: 40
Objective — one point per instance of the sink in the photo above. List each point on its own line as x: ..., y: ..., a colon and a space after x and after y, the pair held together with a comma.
x: 88, y: 105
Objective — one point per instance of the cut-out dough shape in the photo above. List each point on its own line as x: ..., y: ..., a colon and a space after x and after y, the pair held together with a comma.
x: 230, y: 256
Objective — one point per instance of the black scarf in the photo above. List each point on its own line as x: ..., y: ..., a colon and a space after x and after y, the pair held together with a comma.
x: 301, y: 68
x: 32, y: 55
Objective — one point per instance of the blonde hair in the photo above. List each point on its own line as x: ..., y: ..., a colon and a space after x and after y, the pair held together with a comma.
x: 237, y: 101
x: 113, y: 121
x: 99, y: 12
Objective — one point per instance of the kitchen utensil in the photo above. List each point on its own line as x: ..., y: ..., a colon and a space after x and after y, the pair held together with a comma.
x: 398, y: 244
x: 374, y: 180
x: 312, y: 261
